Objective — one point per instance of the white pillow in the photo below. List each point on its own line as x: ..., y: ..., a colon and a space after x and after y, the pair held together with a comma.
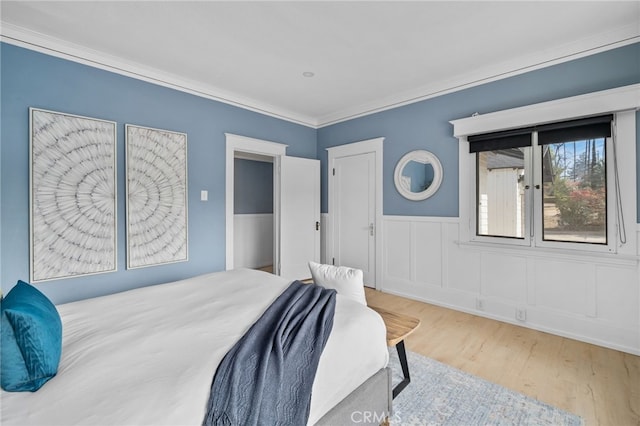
x: 346, y: 281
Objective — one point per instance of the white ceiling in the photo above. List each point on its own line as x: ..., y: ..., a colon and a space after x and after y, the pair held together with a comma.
x: 366, y: 56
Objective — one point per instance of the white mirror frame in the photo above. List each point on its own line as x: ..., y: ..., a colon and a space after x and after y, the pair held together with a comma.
x: 424, y: 157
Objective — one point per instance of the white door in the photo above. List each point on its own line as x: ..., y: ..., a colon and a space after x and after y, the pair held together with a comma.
x: 299, y: 222
x: 354, y: 226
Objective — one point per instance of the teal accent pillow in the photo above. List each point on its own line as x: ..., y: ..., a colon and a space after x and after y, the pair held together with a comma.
x: 31, y: 339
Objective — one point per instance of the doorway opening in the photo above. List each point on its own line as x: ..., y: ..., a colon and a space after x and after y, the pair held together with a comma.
x: 253, y: 211
x: 296, y: 206
x: 245, y: 148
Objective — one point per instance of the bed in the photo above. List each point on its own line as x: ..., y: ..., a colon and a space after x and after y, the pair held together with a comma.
x: 147, y: 356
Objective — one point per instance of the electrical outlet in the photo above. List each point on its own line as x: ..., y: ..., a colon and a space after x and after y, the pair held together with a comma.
x: 479, y: 304
x: 521, y: 314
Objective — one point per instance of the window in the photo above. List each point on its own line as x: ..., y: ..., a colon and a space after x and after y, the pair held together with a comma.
x: 572, y: 185
x: 500, y: 196
x: 545, y: 185
x: 574, y: 191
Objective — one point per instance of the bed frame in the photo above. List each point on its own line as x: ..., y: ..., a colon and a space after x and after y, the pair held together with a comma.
x: 369, y: 404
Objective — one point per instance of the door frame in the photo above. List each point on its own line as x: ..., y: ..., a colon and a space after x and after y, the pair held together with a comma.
x: 356, y: 148
x: 244, y: 144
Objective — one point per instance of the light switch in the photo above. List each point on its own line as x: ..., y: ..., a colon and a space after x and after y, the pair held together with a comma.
x: 204, y: 195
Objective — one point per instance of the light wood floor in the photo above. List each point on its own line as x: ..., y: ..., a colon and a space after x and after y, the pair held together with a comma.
x: 600, y: 385
x: 268, y: 269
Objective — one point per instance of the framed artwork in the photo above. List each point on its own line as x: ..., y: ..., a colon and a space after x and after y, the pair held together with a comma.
x: 156, y: 164
x: 72, y: 195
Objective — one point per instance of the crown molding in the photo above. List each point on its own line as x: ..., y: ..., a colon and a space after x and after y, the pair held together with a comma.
x: 625, y: 98
x: 601, y: 42
x: 597, y: 43
x: 22, y: 37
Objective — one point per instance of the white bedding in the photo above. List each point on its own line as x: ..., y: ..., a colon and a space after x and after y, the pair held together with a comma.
x: 147, y: 356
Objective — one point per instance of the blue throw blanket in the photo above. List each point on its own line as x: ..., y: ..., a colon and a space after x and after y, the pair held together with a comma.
x: 266, y: 378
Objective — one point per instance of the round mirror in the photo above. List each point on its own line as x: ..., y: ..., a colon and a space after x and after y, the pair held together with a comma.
x: 418, y: 175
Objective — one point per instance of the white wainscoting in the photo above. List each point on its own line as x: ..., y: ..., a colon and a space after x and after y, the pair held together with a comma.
x: 253, y: 240
x: 588, y: 299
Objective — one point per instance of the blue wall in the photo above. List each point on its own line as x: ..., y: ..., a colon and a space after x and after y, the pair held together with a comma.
x: 253, y: 187
x: 31, y: 79
x: 425, y: 124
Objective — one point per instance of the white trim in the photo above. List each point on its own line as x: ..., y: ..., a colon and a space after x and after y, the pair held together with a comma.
x: 423, y: 263
x: 253, y: 246
x: 622, y: 101
x: 355, y: 148
x: 588, y: 257
x: 403, y: 185
x: 255, y: 146
x: 598, y: 43
x: 434, y: 219
x: 551, y: 330
x: 619, y: 37
x: 371, y: 145
x: 250, y: 156
x: 52, y: 46
x: 603, y: 102
x: 612, y: 201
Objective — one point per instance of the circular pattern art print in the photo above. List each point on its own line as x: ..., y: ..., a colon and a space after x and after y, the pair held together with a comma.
x: 156, y: 196
x: 73, y: 196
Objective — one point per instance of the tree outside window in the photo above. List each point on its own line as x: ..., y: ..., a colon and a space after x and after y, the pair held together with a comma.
x: 574, y: 191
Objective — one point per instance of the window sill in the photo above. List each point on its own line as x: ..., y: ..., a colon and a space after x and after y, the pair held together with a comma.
x: 552, y: 253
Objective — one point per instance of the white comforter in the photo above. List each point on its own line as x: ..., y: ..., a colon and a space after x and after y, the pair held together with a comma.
x: 147, y: 356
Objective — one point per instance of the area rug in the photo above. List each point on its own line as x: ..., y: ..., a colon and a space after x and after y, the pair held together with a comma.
x: 442, y: 395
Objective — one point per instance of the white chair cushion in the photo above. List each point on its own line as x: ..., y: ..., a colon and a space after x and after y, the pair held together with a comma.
x: 346, y: 281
